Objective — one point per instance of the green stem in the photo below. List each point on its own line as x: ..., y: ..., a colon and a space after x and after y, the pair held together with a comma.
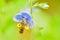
x: 31, y: 7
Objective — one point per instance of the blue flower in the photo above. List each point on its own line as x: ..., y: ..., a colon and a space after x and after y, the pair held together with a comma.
x: 28, y: 17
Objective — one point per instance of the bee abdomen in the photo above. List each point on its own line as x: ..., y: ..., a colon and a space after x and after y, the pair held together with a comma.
x: 21, y: 31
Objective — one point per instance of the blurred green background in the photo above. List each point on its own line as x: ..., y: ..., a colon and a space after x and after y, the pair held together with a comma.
x: 46, y: 21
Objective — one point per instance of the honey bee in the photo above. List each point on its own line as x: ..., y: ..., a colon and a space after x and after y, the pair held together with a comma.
x: 23, y: 25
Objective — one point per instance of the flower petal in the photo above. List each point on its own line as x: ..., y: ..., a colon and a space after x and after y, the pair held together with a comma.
x: 30, y: 23
x: 18, y: 18
x: 26, y: 15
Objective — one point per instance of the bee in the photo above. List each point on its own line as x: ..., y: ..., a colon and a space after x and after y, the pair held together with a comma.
x: 23, y: 25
